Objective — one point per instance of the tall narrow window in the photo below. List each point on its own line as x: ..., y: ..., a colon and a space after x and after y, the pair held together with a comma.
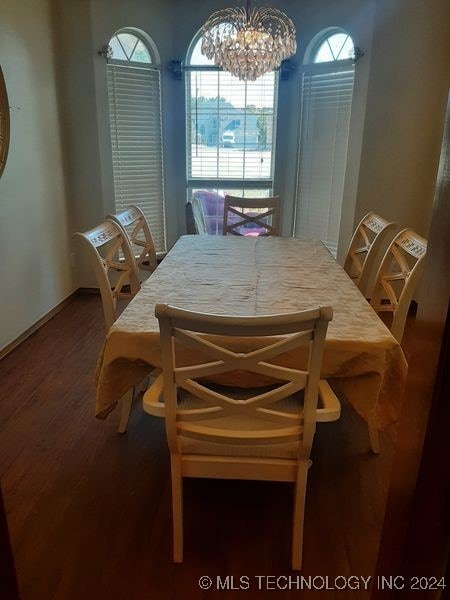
x: 134, y: 93
x: 327, y: 92
x: 230, y: 133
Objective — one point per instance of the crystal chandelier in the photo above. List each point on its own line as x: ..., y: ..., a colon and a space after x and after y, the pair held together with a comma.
x: 248, y: 42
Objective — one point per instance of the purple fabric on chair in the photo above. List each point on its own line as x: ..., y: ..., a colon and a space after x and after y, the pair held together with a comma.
x: 212, y: 202
x: 213, y: 206
x: 212, y: 209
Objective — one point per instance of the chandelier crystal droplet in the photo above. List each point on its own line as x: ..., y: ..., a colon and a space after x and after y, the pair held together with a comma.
x: 248, y: 42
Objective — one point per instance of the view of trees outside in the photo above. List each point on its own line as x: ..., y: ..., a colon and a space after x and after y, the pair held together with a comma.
x: 214, y: 117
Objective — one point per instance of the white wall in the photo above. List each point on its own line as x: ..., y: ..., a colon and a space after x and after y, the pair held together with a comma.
x: 409, y: 78
x: 35, y: 274
x: 408, y: 87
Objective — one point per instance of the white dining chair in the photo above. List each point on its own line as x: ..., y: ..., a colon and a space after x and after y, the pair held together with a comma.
x: 112, y: 260
x: 242, y: 216
x: 397, y: 278
x: 217, y: 431
x: 117, y: 277
x: 368, y: 238
x: 134, y: 223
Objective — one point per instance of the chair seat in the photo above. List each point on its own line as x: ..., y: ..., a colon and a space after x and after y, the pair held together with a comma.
x: 193, y: 446
x: 328, y: 409
x: 292, y: 404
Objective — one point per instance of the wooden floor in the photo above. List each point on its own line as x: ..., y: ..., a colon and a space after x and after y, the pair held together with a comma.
x: 89, y: 510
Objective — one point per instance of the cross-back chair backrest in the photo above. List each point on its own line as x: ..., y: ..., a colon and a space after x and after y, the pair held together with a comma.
x: 398, y: 276
x: 135, y: 224
x: 104, y: 244
x: 367, y: 240
x: 181, y: 328
x: 247, y: 216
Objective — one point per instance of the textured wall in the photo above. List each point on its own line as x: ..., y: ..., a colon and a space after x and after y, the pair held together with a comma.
x: 407, y: 95
x: 35, y: 273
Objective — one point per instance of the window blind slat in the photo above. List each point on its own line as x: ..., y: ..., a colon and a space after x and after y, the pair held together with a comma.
x: 136, y: 138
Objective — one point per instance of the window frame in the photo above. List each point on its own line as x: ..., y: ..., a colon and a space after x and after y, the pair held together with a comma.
x: 317, y: 41
x: 217, y: 183
x: 153, y: 66
x: 317, y: 68
x: 155, y: 60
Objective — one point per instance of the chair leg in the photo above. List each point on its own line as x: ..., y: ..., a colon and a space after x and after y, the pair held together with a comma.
x: 374, y: 437
x: 125, y: 409
x: 127, y: 399
x: 177, y: 508
x: 299, y: 514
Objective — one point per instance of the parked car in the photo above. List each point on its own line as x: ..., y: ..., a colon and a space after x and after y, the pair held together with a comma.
x: 228, y: 139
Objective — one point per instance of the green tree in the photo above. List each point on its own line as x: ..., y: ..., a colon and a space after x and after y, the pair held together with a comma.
x: 261, y: 126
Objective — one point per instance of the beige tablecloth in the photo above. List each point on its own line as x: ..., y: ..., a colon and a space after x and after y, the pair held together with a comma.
x: 259, y: 276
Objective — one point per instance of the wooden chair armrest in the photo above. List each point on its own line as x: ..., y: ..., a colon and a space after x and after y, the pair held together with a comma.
x: 329, y: 407
x: 151, y: 399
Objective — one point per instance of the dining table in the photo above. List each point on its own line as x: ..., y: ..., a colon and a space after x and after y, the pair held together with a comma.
x: 246, y: 275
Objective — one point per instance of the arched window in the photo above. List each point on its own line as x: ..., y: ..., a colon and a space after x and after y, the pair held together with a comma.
x: 230, y: 133
x: 128, y: 47
x: 327, y: 91
x: 134, y: 94
x: 337, y: 45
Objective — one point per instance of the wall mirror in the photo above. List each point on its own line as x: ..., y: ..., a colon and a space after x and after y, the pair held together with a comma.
x: 4, y: 123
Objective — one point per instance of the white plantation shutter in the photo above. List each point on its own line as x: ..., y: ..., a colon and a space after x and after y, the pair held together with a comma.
x: 135, y: 122
x: 326, y: 106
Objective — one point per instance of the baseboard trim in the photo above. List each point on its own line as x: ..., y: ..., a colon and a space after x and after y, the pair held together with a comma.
x: 88, y: 290
x: 26, y: 334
